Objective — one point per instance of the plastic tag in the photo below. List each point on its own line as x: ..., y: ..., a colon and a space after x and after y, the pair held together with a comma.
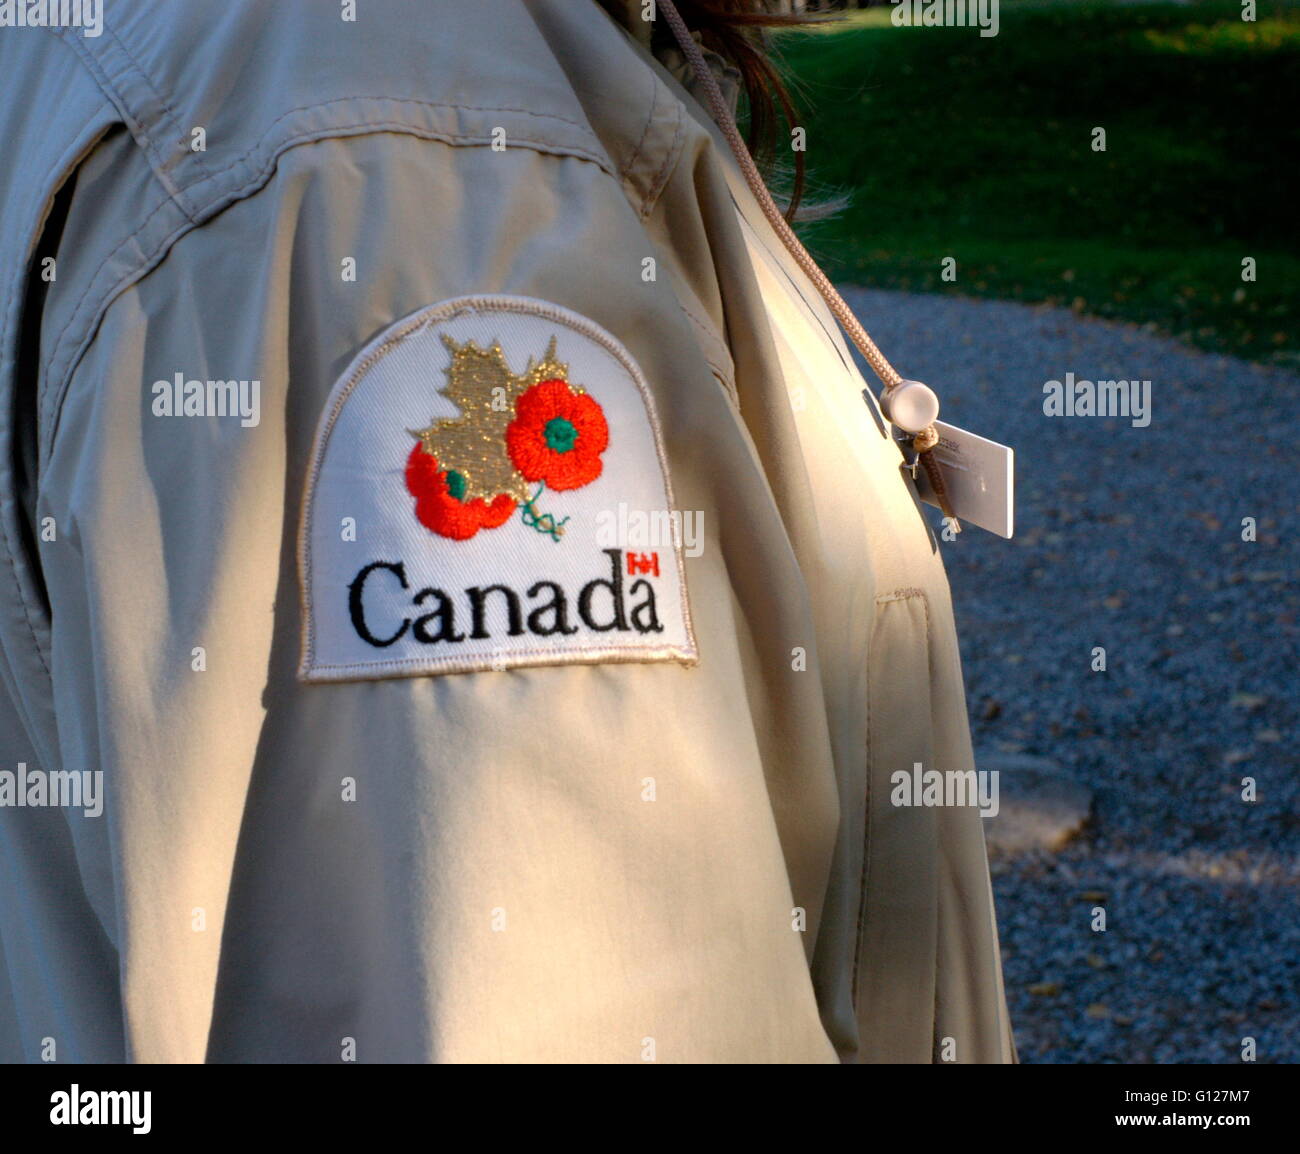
x: 979, y: 475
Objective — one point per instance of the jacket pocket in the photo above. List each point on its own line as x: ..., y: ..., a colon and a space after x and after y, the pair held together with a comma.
x: 894, y: 986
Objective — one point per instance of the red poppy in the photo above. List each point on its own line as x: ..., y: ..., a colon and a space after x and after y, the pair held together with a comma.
x: 439, y: 502
x: 557, y: 436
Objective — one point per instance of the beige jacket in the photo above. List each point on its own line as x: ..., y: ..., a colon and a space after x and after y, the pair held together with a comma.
x: 667, y: 838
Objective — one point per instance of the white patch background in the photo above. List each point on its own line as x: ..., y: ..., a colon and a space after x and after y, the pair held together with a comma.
x: 358, y: 471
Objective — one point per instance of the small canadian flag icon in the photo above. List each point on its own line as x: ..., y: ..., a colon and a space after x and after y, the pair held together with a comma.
x: 642, y: 563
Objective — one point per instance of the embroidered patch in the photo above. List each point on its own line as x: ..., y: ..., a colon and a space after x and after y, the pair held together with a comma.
x: 461, y: 498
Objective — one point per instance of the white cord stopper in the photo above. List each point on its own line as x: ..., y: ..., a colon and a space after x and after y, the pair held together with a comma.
x: 911, y: 406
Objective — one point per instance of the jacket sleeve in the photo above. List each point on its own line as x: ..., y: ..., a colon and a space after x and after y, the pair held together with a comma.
x: 572, y: 861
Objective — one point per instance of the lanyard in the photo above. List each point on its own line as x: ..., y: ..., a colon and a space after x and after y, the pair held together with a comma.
x: 910, y: 405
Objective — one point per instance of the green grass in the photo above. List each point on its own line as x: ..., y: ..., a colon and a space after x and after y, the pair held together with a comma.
x: 953, y: 145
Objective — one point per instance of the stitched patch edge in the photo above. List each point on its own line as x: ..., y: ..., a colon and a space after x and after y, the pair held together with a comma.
x: 443, y: 311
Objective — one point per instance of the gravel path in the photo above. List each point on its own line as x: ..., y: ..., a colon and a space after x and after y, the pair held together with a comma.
x: 1131, y: 539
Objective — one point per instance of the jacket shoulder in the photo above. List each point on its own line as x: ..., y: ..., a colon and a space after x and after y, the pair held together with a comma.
x: 214, y: 90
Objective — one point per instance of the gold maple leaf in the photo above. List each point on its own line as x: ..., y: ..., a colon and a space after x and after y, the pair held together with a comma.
x: 481, y: 385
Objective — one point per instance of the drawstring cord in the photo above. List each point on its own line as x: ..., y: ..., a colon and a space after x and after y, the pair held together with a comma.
x: 924, y: 440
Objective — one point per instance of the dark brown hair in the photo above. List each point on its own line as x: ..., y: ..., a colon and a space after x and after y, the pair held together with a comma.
x: 737, y: 31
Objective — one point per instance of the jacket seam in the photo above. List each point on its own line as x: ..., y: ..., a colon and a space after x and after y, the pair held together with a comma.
x: 167, y: 108
x: 645, y: 132
x: 669, y: 165
x: 864, y: 879
x: 726, y: 374
x: 112, y: 91
x: 51, y: 396
x: 398, y: 126
x: 15, y: 295
x: 177, y: 190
